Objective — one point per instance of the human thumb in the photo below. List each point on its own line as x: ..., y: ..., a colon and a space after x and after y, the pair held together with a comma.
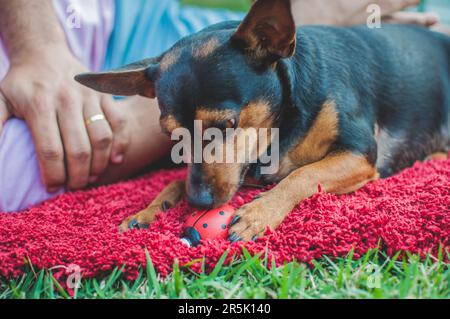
x: 5, y: 114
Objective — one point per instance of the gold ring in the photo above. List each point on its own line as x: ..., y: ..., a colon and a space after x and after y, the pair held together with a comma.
x: 95, y: 118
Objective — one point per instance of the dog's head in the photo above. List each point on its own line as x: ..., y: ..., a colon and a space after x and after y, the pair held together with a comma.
x: 224, y: 76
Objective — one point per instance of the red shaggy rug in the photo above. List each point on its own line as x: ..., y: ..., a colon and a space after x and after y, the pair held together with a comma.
x: 410, y: 211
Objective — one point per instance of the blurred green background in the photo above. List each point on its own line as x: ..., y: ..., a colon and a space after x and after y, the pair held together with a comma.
x: 442, y: 7
x: 237, y: 5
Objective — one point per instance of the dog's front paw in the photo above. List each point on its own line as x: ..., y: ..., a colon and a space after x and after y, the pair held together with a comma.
x: 252, y: 220
x: 133, y: 222
x: 143, y: 219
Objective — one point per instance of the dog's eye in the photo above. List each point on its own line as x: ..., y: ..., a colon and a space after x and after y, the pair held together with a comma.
x: 230, y: 123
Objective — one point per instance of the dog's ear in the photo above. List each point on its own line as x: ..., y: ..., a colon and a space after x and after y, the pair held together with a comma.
x: 268, y: 31
x: 133, y: 79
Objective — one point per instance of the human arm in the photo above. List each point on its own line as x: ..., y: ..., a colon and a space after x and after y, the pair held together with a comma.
x: 346, y: 12
x: 40, y: 89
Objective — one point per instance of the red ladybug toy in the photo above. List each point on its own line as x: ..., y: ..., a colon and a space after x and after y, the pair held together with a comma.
x: 209, y: 224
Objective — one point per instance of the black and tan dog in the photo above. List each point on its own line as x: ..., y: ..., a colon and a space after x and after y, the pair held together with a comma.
x: 352, y: 104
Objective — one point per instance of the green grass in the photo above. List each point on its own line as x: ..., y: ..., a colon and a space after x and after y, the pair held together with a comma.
x: 236, y: 5
x: 372, y: 276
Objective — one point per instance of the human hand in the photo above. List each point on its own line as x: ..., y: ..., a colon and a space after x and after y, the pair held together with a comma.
x: 344, y: 12
x: 40, y: 89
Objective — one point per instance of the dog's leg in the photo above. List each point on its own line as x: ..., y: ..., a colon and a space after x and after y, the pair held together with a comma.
x: 168, y: 198
x: 338, y: 173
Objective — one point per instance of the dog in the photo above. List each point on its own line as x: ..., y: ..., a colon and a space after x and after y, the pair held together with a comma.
x: 352, y: 104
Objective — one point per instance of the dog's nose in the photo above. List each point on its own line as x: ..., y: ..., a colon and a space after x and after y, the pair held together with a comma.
x: 199, y: 193
x: 200, y: 196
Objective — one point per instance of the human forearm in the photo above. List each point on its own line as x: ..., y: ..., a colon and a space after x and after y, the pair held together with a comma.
x: 29, y: 26
x: 147, y: 143
x: 343, y: 12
